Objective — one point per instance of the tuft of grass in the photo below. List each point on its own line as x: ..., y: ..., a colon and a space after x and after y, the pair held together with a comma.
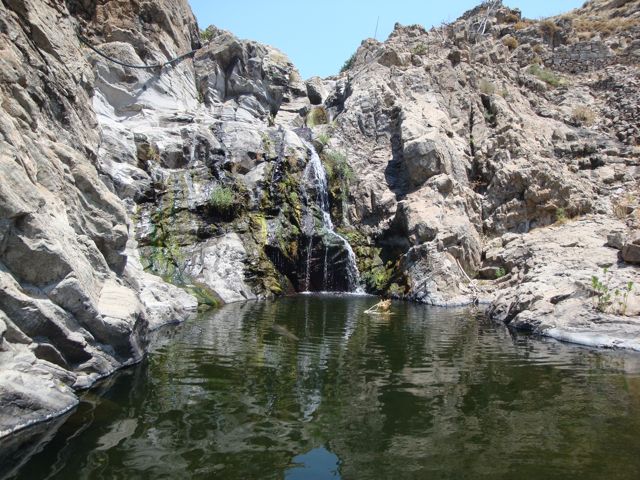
x: 500, y: 272
x: 222, y: 199
x: 583, y: 115
x: 317, y: 116
x: 546, y: 76
x: 510, y: 42
x: 337, y: 167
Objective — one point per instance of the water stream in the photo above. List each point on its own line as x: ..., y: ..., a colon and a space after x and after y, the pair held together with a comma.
x: 315, y: 192
x: 310, y: 387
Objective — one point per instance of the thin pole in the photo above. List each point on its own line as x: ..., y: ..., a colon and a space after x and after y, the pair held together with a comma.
x: 375, y: 35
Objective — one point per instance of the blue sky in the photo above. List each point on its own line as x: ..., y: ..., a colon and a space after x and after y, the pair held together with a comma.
x: 319, y: 36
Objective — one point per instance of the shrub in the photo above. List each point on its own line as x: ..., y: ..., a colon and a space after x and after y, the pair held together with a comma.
x: 606, y: 298
x: 546, y: 76
x: 500, y: 272
x: 337, y: 167
x: 510, y: 42
x: 323, y: 139
x: 206, y: 35
x: 561, y: 215
x: 583, y: 115
x: 538, y: 48
x: 487, y: 87
x: 317, y: 116
x: 420, y: 49
x: 348, y: 63
x: 521, y: 25
x: 548, y: 27
x: 512, y: 17
x: 222, y: 199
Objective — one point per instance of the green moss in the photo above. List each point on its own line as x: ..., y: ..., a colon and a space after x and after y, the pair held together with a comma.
x: 206, y: 297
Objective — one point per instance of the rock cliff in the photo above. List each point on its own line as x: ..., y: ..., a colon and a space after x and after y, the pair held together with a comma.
x: 494, y: 160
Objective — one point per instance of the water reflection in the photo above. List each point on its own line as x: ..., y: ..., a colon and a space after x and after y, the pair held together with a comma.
x: 423, y: 393
x: 317, y: 464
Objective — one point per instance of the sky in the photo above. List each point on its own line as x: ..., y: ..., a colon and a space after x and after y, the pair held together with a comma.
x: 319, y: 36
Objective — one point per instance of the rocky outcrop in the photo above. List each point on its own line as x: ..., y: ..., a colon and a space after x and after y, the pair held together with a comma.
x: 73, y: 307
x: 462, y: 144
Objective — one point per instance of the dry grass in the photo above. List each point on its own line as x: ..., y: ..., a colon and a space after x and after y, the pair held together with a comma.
x: 522, y: 24
x: 583, y: 115
x: 510, y: 42
x: 487, y: 87
x: 548, y: 27
x: 589, y: 27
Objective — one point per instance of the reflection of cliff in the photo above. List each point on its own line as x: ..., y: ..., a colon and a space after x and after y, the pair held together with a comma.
x: 424, y: 392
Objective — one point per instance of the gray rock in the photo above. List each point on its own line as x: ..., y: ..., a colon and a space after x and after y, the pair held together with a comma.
x: 631, y: 249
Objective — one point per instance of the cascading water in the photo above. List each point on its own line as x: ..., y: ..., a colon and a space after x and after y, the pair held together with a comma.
x: 315, y: 181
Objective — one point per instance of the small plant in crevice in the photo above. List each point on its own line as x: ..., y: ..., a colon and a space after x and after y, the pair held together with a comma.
x: 583, y: 115
x: 500, y: 272
x: 337, y: 167
x: 222, y: 200
x: 323, y: 140
x: 561, y: 215
x: 608, y: 299
x: 206, y: 35
x: 603, y: 295
x: 546, y: 76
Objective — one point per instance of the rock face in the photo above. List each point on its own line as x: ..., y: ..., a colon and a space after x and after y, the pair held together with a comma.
x: 462, y: 164
x: 73, y: 308
x: 484, y: 173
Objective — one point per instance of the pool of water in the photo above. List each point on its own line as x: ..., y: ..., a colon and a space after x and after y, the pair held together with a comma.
x: 310, y: 387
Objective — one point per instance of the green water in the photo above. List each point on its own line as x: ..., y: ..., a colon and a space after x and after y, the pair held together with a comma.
x: 425, y: 393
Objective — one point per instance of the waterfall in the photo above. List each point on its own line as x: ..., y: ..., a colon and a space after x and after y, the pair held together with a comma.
x: 315, y: 179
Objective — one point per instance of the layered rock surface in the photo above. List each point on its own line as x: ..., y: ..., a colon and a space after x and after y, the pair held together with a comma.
x: 74, y: 305
x: 489, y: 160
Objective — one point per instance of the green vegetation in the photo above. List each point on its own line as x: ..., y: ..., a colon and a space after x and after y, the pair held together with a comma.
x: 337, y: 167
x: 222, y: 199
x: 500, y: 272
x: 323, y: 139
x: 607, y: 299
x: 546, y: 76
x: 206, y: 35
x: 348, y: 63
x: 376, y: 275
x: 561, y: 215
x: 420, y: 49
